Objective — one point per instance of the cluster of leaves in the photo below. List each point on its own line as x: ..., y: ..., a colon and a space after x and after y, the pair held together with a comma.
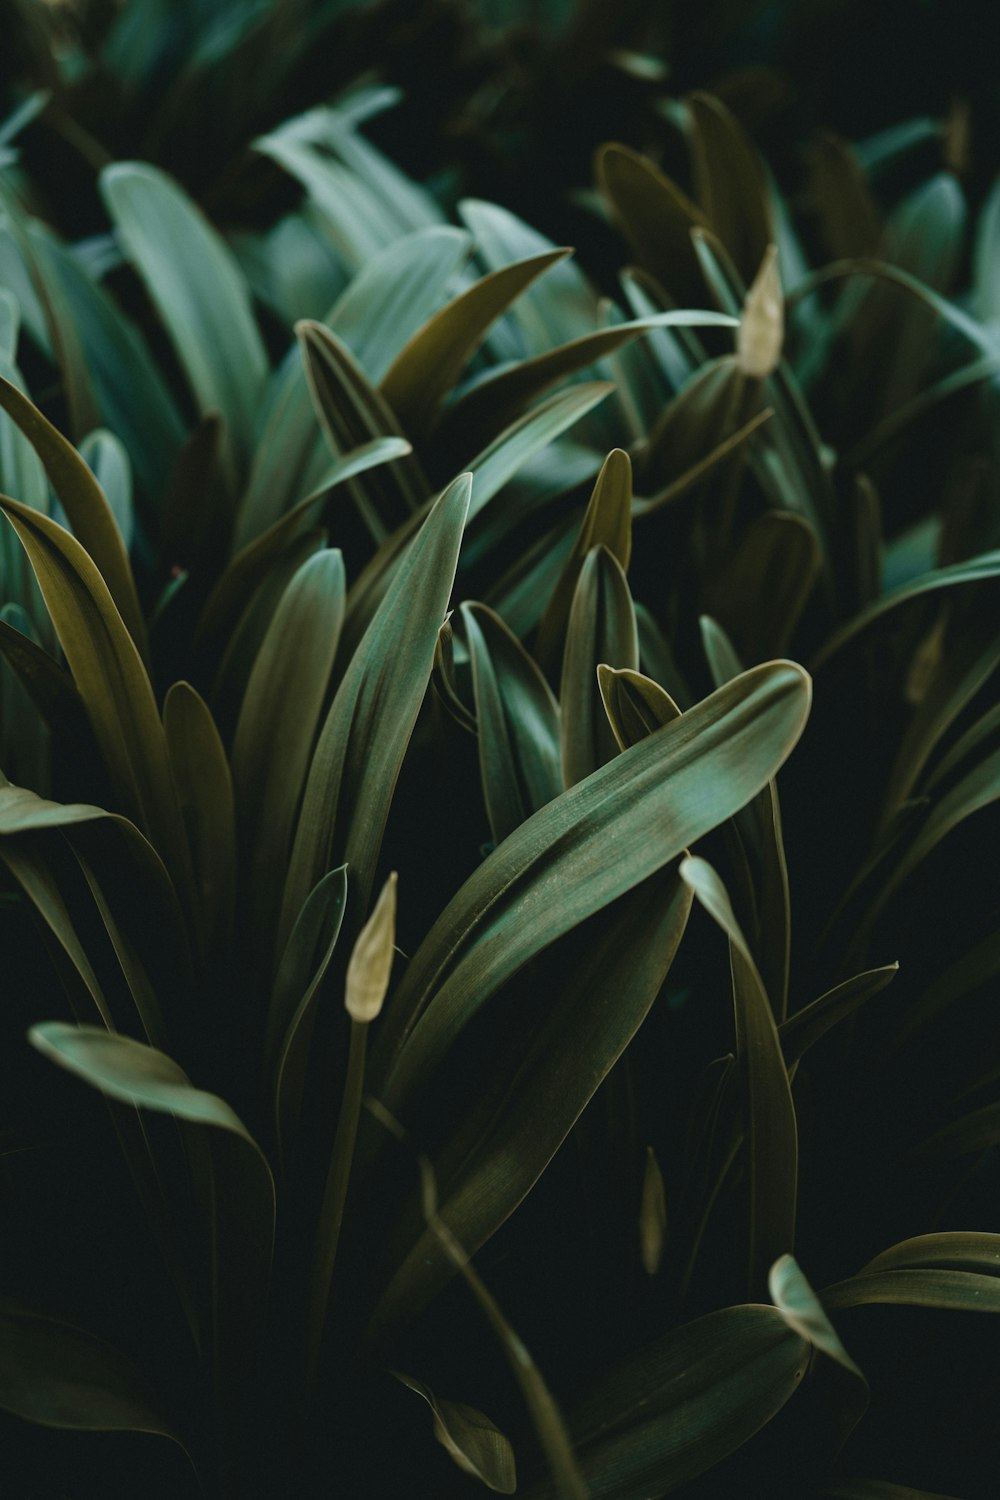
x: 362, y: 552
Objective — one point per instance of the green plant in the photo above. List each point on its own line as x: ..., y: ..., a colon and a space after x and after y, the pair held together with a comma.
x: 538, y: 696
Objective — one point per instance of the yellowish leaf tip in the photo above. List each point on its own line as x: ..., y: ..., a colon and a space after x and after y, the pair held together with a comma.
x: 761, y: 332
x: 371, y: 960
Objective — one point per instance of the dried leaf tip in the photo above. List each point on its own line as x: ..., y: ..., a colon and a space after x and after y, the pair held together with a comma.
x: 371, y: 960
x: 762, y: 327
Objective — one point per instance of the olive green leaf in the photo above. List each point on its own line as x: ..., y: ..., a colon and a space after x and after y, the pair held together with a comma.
x: 635, y: 705
x: 284, y: 697
x: 730, y: 182
x: 960, y: 1271
x: 205, y: 794
x: 808, y: 1025
x: 361, y: 746
x: 198, y: 290
x: 85, y: 504
x: 49, y: 685
x: 394, y: 294
x: 109, y: 676
x: 601, y: 629
x: 469, y: 1438
x: 655, y: 215
x: 607, y: 522
x: 684, y: 1403
x: 56, y: 1374
x: 646, y: 806
x: 426, y: 368
x: 769, y: 1124
x: 759, y: 592
x: 494, y: 1157
x: 518, y: 723
x: 351, y: 412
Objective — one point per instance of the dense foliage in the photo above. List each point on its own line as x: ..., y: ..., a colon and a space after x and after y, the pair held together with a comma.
x: 501, y: 755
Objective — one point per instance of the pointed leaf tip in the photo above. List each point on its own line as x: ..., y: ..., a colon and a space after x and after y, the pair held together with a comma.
x: 762, y: 327
x: 371, y: 960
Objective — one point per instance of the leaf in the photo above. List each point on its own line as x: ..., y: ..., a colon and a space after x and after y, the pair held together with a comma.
x: 810, y: 1024
x: 205, y: 794
x: 759, y: 592
x: 49, y: 685
x: 959, y: 1271
x: 652, y: 1215
x: 249, y: 568
x: 495, y: 1156
x: 656, y: 216
x: 803, y: 1312
x: 647, y: 805
x: 607, y: 522
x: 425, y: 370
x: 56, y: 1374
x: 635, y: 705
x: 730, y: 182
x: 109, y: 676
x: 683, y: 1404
x: 469, y: 1438
x: 296, y: 990
x: 85, y: 504
x: 394, y: 293
x: 518, y: 723
x: 107, y: 458
x: 198, y: 291
x: 494, y: 400
x: 284, y: 701
x: 364, y: 738
x: 876, y: 1489
x: 601, y: 629
x: 351, y: 411
x: 972, y: 570
x: 769, y: 1124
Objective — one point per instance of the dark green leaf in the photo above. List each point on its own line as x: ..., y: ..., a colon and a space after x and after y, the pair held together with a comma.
x: 601, y: 629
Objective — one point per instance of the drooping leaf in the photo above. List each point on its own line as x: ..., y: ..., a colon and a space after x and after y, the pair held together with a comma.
x: 469, y: 1438
x: 59, y: 1375
x: 960, y: 1271
x: 807, y: 1026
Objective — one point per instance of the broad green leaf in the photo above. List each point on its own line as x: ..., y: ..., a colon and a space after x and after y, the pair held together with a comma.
x: 711, y: 408
x: 86, y: 507
x: 469, y: 1438
x: 109, y: 675
x: 949, y: 1250
x: 394, y: 294
x: 607, y: 522
x: 686, y: 1402
x: 426, y: 368
x: 493, y: 1158
x: 689, y: 478
x: 284, y: 698
x: 957, y: 1291
x: 598, y: 840
x: 48, y: 684
x: 364, y: 738
x: 517, y: 723
x: 848, y: 215
x: 205, y: 795
x: 655, y: 215
x: 59, y: 1375
x: 769, y: 1125
x: 730, y: 182
x: 808, y: 1025
x: 985, y: 259
x: 635, y: 705
x: 198, y: 291
x: 601, y: 629
x: 291, y: 1017
x: 290, y: 455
